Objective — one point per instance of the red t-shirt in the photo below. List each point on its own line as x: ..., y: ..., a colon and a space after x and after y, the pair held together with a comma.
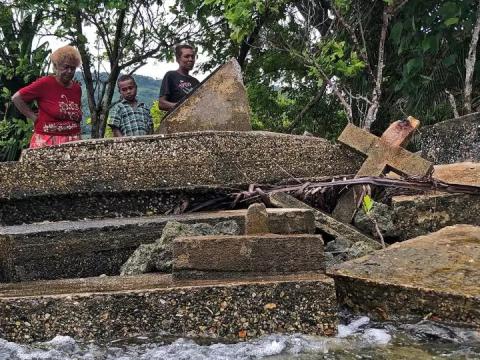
x: 59, y: 107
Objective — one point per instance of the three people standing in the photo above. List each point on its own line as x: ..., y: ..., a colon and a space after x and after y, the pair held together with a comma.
x: 58, y: 97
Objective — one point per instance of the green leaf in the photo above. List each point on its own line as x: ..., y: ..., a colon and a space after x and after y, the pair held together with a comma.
x: 451, y: 21
x: 414, y: 65
x: 396, y: 32
x: 367, y: 204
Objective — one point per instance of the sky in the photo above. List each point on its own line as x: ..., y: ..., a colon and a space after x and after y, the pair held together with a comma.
x: 153, y: 68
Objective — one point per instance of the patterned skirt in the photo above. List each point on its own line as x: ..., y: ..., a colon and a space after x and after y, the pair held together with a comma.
x: 39, y: 140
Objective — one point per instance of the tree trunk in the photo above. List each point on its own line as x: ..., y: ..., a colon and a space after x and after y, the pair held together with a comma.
x: 377, y: 90
x: 470, y: 64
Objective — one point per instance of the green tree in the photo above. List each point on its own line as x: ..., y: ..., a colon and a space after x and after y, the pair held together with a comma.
x: 128, y: 33
x: 21, y: 61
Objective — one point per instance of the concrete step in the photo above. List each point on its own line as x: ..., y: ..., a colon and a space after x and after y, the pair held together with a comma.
x: 108, y: 308
x: 86, y: 248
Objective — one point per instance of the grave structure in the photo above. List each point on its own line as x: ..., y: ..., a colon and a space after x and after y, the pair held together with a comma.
x: 153, y: 174
x: 433, y: 276
x: 219, y: 103
x: 101, y: 199
x: 233, y: 287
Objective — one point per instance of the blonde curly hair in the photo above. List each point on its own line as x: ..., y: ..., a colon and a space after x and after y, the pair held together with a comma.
x: 66, y: 53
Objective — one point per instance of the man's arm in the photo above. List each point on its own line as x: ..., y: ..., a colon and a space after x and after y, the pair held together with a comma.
x: 164, y: 104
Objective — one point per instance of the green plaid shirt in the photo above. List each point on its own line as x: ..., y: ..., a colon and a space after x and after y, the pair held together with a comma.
x: 131, y: 121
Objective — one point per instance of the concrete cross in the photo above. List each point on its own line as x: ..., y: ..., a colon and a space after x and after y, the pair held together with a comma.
x: 384, y: 153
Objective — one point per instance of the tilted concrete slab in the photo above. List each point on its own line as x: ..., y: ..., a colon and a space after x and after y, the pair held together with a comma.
x: 452, y: 140
x: 104, y: 204
x: 436, y: 275
x: 94, y: 247
x: 219, y: 103
x: 176, y: 160
x: 104, y: 309
x: 464, y: 173
x: 415, y: 215
x: 235, y: 256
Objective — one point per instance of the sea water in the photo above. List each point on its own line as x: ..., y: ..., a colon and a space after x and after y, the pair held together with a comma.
x: 359, y: 339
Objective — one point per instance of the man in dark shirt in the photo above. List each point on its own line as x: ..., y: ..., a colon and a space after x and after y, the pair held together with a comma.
x: 178, y: 84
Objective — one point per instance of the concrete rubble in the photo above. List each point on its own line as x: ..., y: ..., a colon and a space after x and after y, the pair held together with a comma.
x: 252, y: 272
x: 435, y: 275
x: 55, y: 250
x: 452, y: 141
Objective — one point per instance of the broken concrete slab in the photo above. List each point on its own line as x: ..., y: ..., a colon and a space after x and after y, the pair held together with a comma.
x: 237, y: 256
x: 452, y: 141
x: 436, y: 275
x: 171, y: 161
x: 158, y: 256
x: 103, y: 204
x: 110, y: 308
x: 415, y: 215
x: 219, y: 103
x: 464, y: 173
x: 94, y: 247
x: 324, y: 222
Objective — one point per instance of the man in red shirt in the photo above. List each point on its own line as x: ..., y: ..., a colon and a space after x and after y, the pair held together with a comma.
x: 58, y: 98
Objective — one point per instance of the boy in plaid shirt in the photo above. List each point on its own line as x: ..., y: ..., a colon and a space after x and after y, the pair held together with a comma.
x: 129, y: 117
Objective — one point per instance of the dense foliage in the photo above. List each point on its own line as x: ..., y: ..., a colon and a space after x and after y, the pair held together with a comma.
x: 309, y: 65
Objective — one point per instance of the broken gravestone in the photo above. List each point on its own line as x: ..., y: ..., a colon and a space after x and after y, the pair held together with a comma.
x: 435, y: 276
x: 157, y: 256
x: 246, y: 255
x: 219, y: 103
x: 382, y: 153
x: 414, y: 215
x: 256, y: 220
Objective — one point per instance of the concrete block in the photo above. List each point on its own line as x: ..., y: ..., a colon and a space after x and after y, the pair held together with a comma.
x: 226, y: 256
x: 436, y: 275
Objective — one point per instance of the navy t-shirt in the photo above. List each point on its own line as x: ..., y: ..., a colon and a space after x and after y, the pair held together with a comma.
x: 176, y: 86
